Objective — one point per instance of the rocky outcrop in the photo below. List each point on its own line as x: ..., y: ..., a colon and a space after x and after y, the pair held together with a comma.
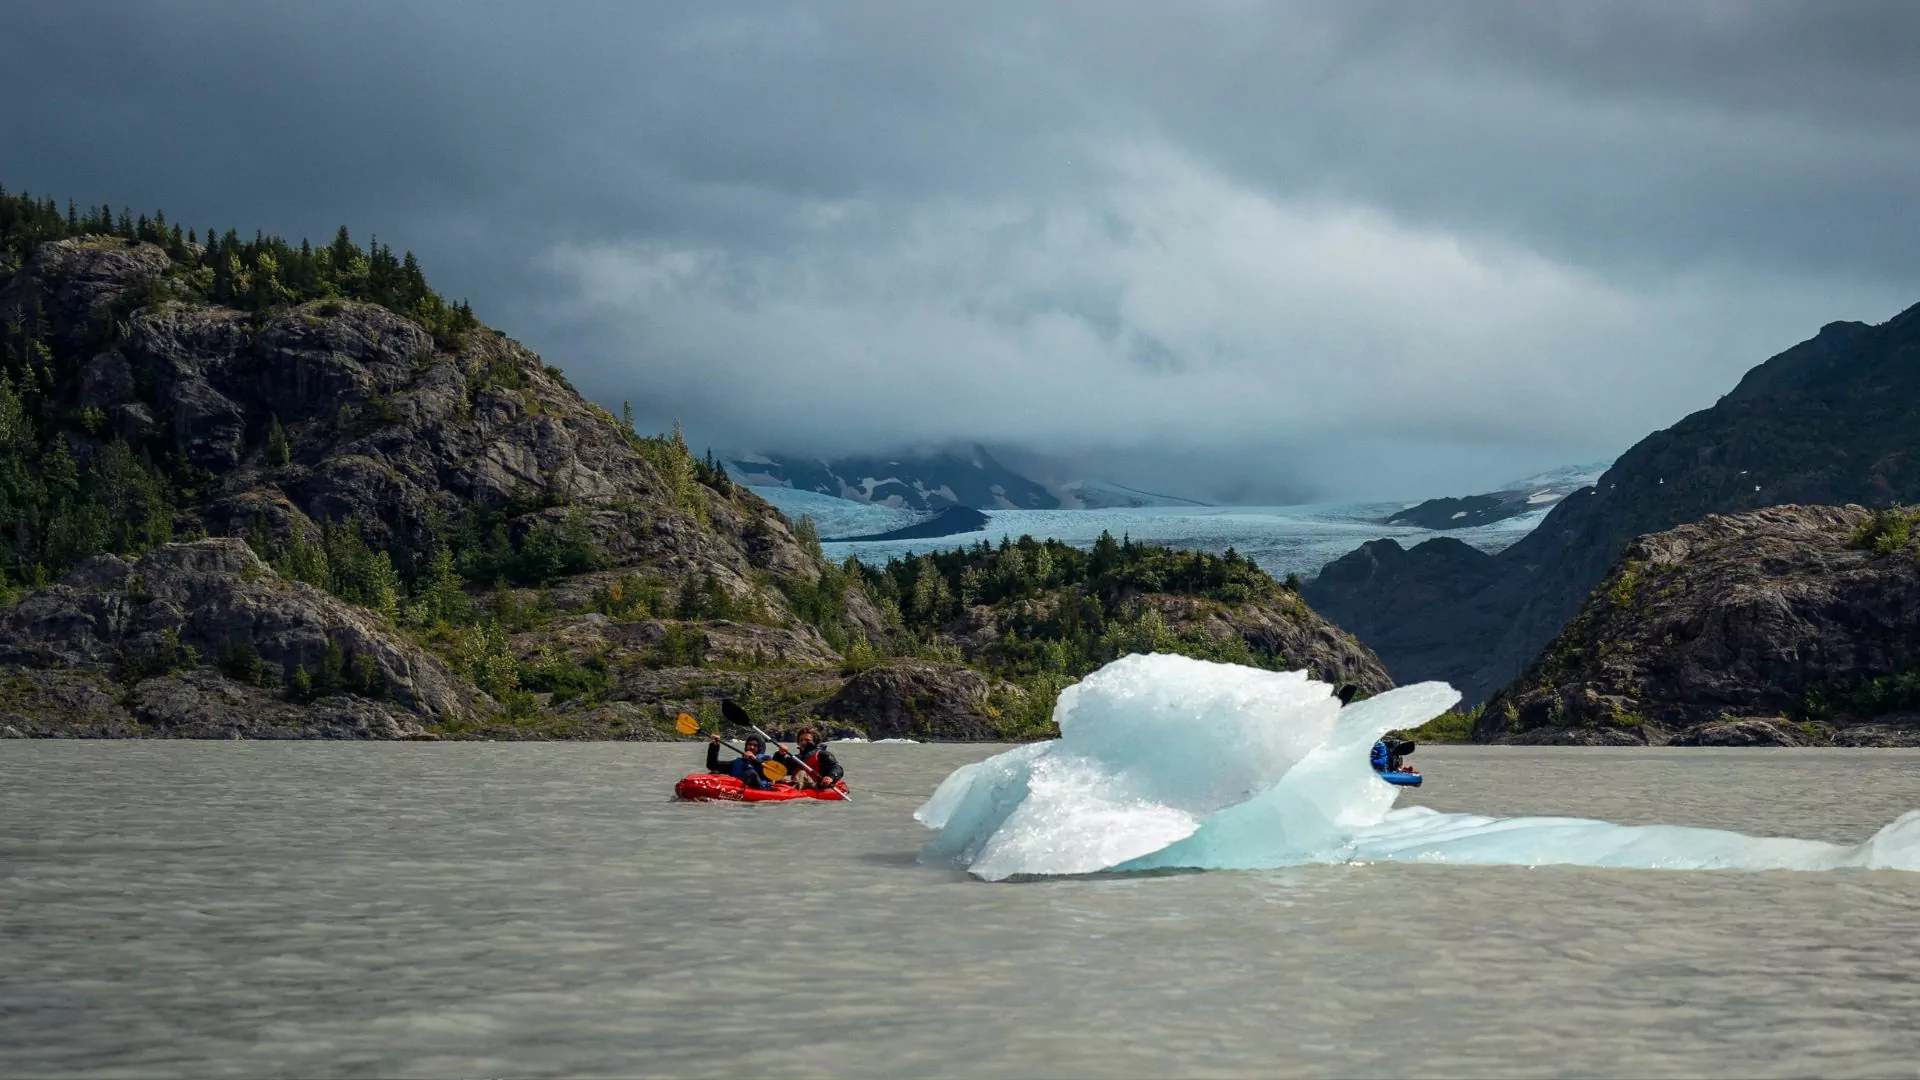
x: 76, y: 283
x: 1829, y: 421
x: 1771, y: 628
x: 385, y: 426
x: 202, y: 637
x: 69, y: 703
x: 1752, y: 731
x: 917, y: 699
x: 1284, y: 627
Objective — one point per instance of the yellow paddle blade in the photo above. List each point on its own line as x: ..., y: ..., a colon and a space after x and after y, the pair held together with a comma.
x: 773, y: 770
x: 687, y: 725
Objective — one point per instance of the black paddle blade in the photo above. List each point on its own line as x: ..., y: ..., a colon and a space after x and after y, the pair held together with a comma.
x: 735, y: 713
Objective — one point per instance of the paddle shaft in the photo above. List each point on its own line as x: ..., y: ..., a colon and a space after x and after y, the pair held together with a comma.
x: 801, y: 760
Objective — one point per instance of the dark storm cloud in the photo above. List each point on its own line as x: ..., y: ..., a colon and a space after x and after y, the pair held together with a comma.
x: 1373, y: 247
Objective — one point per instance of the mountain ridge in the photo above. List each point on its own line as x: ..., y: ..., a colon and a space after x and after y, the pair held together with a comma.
x: 1830, y: 421
x: 258, y: 489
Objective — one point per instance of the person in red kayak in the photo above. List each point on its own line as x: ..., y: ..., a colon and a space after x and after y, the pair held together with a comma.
x: 813, y: 761
x: 745, y: 768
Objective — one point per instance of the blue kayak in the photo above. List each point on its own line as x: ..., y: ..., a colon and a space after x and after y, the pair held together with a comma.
x: 1401, y: 779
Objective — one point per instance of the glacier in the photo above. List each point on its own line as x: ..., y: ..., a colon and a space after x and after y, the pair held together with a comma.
x: 1166, y: 762
x: 1280, y: 539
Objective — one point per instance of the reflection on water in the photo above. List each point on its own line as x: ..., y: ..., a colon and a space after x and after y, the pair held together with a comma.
x: 310, y: 909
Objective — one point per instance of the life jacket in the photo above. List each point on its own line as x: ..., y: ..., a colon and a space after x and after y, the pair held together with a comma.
x: 1382, y: 759
x: 817, y: 772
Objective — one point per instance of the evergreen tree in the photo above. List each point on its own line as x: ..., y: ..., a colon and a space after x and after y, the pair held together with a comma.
x: 300, y: 684
x: 278, y: 453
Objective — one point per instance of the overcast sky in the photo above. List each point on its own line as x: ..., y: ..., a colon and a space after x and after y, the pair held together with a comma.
x: 1264, y: 250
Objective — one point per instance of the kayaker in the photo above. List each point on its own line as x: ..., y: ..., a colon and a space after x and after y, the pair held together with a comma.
x: 746, y: 768
x: 1390, y: 755
x: 814, y: 755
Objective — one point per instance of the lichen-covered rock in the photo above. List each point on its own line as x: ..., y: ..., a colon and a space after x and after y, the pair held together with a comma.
x: 1709, y: 634
x: 1744, y: 731
x: 65, y: 704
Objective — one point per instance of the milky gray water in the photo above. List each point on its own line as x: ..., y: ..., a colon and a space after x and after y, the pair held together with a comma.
x: 216, y: 909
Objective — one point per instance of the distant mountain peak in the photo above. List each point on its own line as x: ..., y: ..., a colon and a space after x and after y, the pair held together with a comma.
x: 933, y: 479
x: 1517, y: 497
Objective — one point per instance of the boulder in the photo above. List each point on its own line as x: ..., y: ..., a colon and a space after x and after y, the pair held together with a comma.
x: 1743, y: 731
x: 915, y: 699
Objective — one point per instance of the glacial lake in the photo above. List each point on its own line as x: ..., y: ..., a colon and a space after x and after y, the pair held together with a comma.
x: 245, y: 909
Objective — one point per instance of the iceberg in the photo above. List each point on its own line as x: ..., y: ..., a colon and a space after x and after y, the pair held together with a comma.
x: 1166, y: 762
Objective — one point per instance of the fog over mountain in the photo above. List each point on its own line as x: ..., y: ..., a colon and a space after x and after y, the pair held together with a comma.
x: 1363, y: 249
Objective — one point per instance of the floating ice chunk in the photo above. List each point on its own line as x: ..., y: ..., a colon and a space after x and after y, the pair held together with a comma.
x: 1165, y: 761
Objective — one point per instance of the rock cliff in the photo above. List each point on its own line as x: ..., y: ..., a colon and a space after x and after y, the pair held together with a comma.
x: 1790, y: 625
x: 1830, y: 421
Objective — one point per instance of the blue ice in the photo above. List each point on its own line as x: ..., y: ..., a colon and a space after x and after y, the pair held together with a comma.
x: 1169, y: 762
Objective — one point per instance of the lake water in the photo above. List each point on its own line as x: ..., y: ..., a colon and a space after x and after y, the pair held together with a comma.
x: 216, y: 909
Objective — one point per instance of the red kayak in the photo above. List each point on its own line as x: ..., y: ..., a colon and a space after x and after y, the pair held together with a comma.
x: 718, y: 787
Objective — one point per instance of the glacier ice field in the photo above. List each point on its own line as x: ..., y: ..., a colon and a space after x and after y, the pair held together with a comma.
x: 1280, y: 539
x: 1166, y: 762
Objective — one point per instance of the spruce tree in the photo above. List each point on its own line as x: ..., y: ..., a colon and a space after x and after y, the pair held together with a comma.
x: 278, y: 453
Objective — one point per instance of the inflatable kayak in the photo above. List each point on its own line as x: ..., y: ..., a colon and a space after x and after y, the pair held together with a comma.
x: 1399, y: 779
x: 719, y: 787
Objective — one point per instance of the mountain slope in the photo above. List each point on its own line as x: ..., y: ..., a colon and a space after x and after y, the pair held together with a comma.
x: 1788, y: 625
x: 1514, y: 499
x: 1833, y: 420
x: 359, y: 435
x: 255, y: 489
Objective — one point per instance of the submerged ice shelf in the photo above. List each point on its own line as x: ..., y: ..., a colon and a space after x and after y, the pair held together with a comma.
x: 1169, y: 762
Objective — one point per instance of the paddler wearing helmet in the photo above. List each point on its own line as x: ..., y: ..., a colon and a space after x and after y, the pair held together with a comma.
x: 746, y: 768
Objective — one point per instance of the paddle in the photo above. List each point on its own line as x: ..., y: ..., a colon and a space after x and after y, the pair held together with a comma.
x: 769, y: 768
x: 740, y: 716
